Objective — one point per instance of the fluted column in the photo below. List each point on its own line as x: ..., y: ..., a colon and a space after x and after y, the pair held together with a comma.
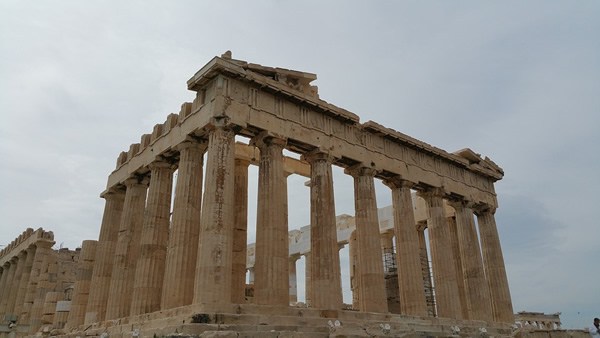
x: 408, y: 261
x: 353, y: 260
x: 150, y: 266
x: 213, y: 269
x: 105, y: 249
x: 308, y: 289
x: 426, y: 270
x: 42, y: 250
x: 81, y: 289
x: 10, y: 269
x: 182, y: 250
x: 240, y: 236
x: 373, y: 297
x: 442, y: 261
x: 272, y: 277
x: 326, y: 287
x: 293, y: 281
x: 15, y: 286
x: 46, y: 284
x: 493, y: 261
x: 3, y: 278
x: 127, y: 249
x: 477, y: 291
x: 387, y: 248
x: 24, y: 282
x: 458, y: 267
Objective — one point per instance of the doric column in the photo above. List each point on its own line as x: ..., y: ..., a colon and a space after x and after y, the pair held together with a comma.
x: 182, y: 251
x: 14, y: 287
x: 3, y: 279
x: 272, y: 277
x: 150, y: 266
x: 81, y: 289
x: 442, y: 262
x: 408, y: 260
x: 42, y: 250
x: 373, y: 297
x: 9, y: 270
x: 46, y: 284
x: 293, y: 282
x: 308, y: 289
x: 105, y: 250
x: 24, y: 282
x: 387, y: 248
x: 353, y: 260
x: 240, y: 236
x: 493, y: 261
x: 477, y: 292
x: 213, y: 269
x: 458, y: 267
x: 127, y: 249
x: 326, y: 287
x: 426, y: 270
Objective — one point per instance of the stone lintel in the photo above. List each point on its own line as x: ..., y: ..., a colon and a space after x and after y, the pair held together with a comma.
x: 38, y: 235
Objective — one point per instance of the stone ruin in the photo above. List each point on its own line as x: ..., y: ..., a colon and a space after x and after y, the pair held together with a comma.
x: 159, y: 269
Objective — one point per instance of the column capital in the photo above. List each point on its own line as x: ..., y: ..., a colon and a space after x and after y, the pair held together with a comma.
x: 398, y: 182
x: 295, y: 257
x: 460, y: 203
x: 482, y: 208
x: 21, y: 254
x: 160, y: 164
x: 432, y: 192
x: 317, y: 154
x: 192, y: 143
x: 242, y: 162
x: 115, y: 191
x: 360, y: 170
x: 143, y: 180
x: 265, y: 138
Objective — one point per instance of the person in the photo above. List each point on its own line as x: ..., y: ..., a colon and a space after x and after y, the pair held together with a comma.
x: 595, y: 329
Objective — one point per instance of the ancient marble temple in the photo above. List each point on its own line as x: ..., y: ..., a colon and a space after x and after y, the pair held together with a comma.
x: 175, y: 247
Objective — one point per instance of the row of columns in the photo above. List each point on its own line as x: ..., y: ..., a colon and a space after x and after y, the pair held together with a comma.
x: 23, y: 285
x: 143, y: 266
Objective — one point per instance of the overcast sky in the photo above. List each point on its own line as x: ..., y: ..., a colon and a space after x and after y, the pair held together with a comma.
x: 516, y: 81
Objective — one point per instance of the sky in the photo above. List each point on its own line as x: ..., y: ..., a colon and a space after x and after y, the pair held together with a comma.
x: 516, y: 81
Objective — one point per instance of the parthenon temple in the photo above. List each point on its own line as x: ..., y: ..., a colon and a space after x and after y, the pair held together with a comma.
x: 173, y: 256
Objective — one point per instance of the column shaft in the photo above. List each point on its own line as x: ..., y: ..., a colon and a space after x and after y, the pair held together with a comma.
x: 46, y: 284
x: 213, y: 270
x: 293, y: 282
x: 353, y: 260
x: 127, y: 250
x: 42, y: 250
x: 272, y: 277
x: 326, y: 288
x: 150, y: 266
x: 308, y: 289
x: 105, y: 250
x: 426, y: 270
x: 182, y: 251
x: 373, y: 297
x: 81, y: 289
x: 408, y: 260
x: 444, y: 274
x: 495, y: 270
x: 477, y: 291
x: 14, y: 287
x: 240, y: 236
x: 9, y: 269
x: 24, y: 283
x: 458, y: 267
